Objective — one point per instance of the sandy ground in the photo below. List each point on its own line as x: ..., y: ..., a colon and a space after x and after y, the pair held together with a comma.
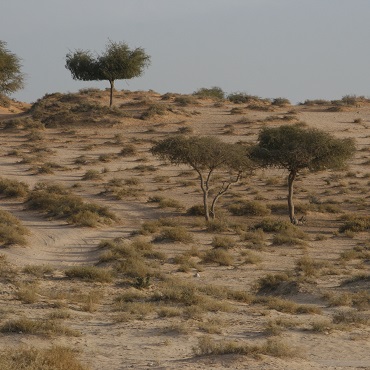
x: 149, y: 342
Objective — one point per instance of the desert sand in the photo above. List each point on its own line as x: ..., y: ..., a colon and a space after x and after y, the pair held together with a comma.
x: 147, y: 334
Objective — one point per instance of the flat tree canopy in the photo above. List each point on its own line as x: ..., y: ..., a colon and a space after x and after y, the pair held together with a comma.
x: 295, y: 148
x: 118, y: 62
x: 11, y: 78
x: 206, y: 155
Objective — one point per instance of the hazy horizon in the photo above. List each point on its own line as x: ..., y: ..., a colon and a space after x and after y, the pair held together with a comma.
x: 289, y: 48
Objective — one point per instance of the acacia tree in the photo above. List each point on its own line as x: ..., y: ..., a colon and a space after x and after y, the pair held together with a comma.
x: 118, y: 62
x: 11, y: 77
x: 295, y: 148
x: 206, y: 155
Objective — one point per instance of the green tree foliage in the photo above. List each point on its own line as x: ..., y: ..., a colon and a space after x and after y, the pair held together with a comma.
x: 295, y: 148
x: 11, y: 78
x: 118, y: 62
x: 206, y: 155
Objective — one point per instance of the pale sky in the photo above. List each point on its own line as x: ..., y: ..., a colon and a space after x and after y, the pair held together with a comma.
x: 297, y: 49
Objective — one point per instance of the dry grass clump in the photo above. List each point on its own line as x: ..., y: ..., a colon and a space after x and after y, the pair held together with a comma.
x: 13, y: 188
x: 37, y: 327
x: 350, y: 317
x: 89, y: 273
x: 361, y: 251
x: 174, y: 234
x: 27, y: 292
x: 254, y: 239
x: 270, y: 225
x: 58, y: 202
x: 166, y: 202
x: 290, y: 236
x: 219, y: 256
x: 359, y: 300
x: 122, y: 189
x: 224, y: 242
x: 249, y: 208
x: 309, y: 267
x: 7, y: 271
x: 355, y: 223
x: 56, y: 358
x: 273, y: 347
x: 155, y: 110
x: 288, y: 306
x: 272, y: 283
x: 37, y: 270
x: 92, y: 175
x: 11, y: 230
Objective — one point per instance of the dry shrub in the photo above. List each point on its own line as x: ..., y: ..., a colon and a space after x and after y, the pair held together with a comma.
x: 27, y: 292
x: 254, y: 239
x: 89, y: 273
x: 355, y: 223
x: 290, y: 236
x: 273, y: 347
x: 224, y: 242
x: 219, y: 256
x: 56, y: 358
x: 249, y: 208
x: 13, y: 188
x: 92, y: 175
x: 58, y: 202
x: 37, y: 327
x: 11, y: 230
x: 174, y: 234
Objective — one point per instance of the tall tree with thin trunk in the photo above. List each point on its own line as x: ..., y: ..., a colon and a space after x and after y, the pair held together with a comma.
x: 207, y: 155
x: 295, y: 148
x: 118, y: 62
x: 11, y: 77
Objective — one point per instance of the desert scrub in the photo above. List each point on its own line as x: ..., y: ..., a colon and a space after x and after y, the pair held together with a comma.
x: 249, y: 208
x: 92, y: 175
x: 224, y: 242
x: 38, y: 271
x: 254, y: 239
x: 174, y: 234
x: 11, y: 230
x: 56, y: 358
x: 37, y: 327
x: 215, y: 93
x: 272, y: 347
x: 166, y: 202
x: 290, y: 236
x: 355, y: 223
x: 219, y: 256
x: 128, y: 150
x: 27, y: 292
x: 58, y: 202
x: 272, y: 283
x: 288, y: 306
x: 308, y: 267
x: 155, y: 110
x: 13, y: 188
x: 270, y: 225
x: 89, y: 273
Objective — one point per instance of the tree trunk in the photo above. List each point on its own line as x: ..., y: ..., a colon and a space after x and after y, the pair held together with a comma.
x: 291, y: 178
x: 111, y: 93
x: 204, y: 187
